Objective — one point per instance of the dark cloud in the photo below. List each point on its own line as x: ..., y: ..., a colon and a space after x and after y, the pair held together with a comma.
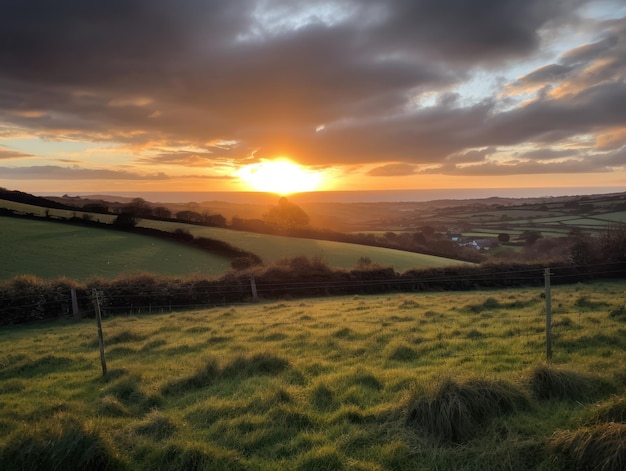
x: 469, y: 30
x: 336, y: 82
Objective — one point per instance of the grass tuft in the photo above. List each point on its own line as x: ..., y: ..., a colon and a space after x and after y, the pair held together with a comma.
x: 403, y: 353
x: 598, y: 448
x: 259, y: 364
x: 547, y: 382
x: 128, y: 391
x: 204, y: 377
x: 322, y: 397
x: 321, y: 459
x: 110, y: 406
x: 454, y: 413
x: 618, y: 313
x: 611, y: 411
x: 175, y: 457
x: 61, y: 444
x: 157, y: 426
x: 125, y: 336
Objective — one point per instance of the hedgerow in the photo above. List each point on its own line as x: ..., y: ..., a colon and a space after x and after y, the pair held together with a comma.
x: 27, y: 298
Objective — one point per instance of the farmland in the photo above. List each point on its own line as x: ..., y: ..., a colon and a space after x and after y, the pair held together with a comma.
x: 52, y: 250
x: 273, y: 248
x: 48, y: 249
x: 333, y: 383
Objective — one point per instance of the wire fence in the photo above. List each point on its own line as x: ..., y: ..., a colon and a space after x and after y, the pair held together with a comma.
x: 525, y: 333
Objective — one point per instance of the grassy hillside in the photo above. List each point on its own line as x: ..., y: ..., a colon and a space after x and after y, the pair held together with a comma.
x: 269, y: 247
x: 52, y: 250
x: 431, y: 381
x: 272, y: 248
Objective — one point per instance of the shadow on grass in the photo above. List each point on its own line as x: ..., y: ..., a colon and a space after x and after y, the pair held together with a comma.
x: 263, y: 364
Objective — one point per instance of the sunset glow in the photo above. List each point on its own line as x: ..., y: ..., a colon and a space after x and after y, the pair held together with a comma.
x: 381, y: 95
x: 279, y: 176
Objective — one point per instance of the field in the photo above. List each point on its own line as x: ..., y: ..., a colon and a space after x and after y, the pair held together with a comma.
x: 53, y: 250
x: 272, y: 248
x: 396, y: 382
x: 50, y: 250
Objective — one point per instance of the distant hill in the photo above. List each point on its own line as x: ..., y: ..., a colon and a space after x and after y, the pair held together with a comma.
x: 27, y: 198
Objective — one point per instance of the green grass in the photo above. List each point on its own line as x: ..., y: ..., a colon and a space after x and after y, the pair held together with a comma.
x: 273, y: 248
x: 406, y: 381
x: 51, y: 250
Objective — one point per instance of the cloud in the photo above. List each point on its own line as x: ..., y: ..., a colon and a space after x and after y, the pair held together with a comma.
x: 336, y: 82
x: 392, y: 170
x: 52, y: 172
x: 521, y: 168
x: 6, y: 154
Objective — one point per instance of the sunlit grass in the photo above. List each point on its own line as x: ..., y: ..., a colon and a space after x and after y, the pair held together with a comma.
x: 359, y: 382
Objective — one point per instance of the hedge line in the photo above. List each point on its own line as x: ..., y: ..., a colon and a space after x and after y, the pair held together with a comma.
x: 27, y: 298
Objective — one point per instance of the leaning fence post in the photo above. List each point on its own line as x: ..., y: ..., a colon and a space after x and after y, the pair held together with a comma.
x: 96, y: 303
x: 253, y: 287
x: 548, y: 315
x: 75, y: 312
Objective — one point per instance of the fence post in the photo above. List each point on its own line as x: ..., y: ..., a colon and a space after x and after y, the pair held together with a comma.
x: 253, y: 287
x: 548, y: 315
x: 96, y: 303
x: 75, y: 312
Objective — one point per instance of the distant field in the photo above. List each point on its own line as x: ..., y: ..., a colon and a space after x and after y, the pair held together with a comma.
x: 337, y: 254
x: 51, y: 250
x: 424, y: 381
x: 273, y: 248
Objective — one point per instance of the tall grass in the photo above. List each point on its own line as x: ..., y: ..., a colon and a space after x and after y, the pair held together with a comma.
x: 380, y: 382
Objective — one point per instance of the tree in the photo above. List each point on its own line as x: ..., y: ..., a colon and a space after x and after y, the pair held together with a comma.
x: 139, y: 208
x: 162, y: 212
x: 286, y: 216
x: 504, y: 237
x: 530, y: 236
x: 126, y: 220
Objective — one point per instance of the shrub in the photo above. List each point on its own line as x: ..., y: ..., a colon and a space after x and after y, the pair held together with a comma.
x: 453, y: 412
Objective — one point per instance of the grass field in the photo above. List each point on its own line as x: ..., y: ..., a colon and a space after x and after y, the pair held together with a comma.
x: 52, y: 250
x: 269, y: 247
x: 272, y: 248
x: 396, y: 382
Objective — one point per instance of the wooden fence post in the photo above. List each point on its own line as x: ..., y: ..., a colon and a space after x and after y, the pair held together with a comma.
x: 75, y: 312
x: 96, y: 303
x: 548, y: 315
x: 253, y: 287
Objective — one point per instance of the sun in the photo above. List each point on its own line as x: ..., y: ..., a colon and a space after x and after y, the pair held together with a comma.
x: 279, y: 176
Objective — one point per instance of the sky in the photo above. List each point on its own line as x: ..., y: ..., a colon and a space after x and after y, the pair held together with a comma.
x: 155, y: 95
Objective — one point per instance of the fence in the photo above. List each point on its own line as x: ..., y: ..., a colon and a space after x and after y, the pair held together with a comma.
x: 579, y: 325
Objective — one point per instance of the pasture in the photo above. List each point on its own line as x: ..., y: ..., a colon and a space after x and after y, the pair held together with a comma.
x: 52, y: 250
x: 272, y: 248
x: 388, y: 382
